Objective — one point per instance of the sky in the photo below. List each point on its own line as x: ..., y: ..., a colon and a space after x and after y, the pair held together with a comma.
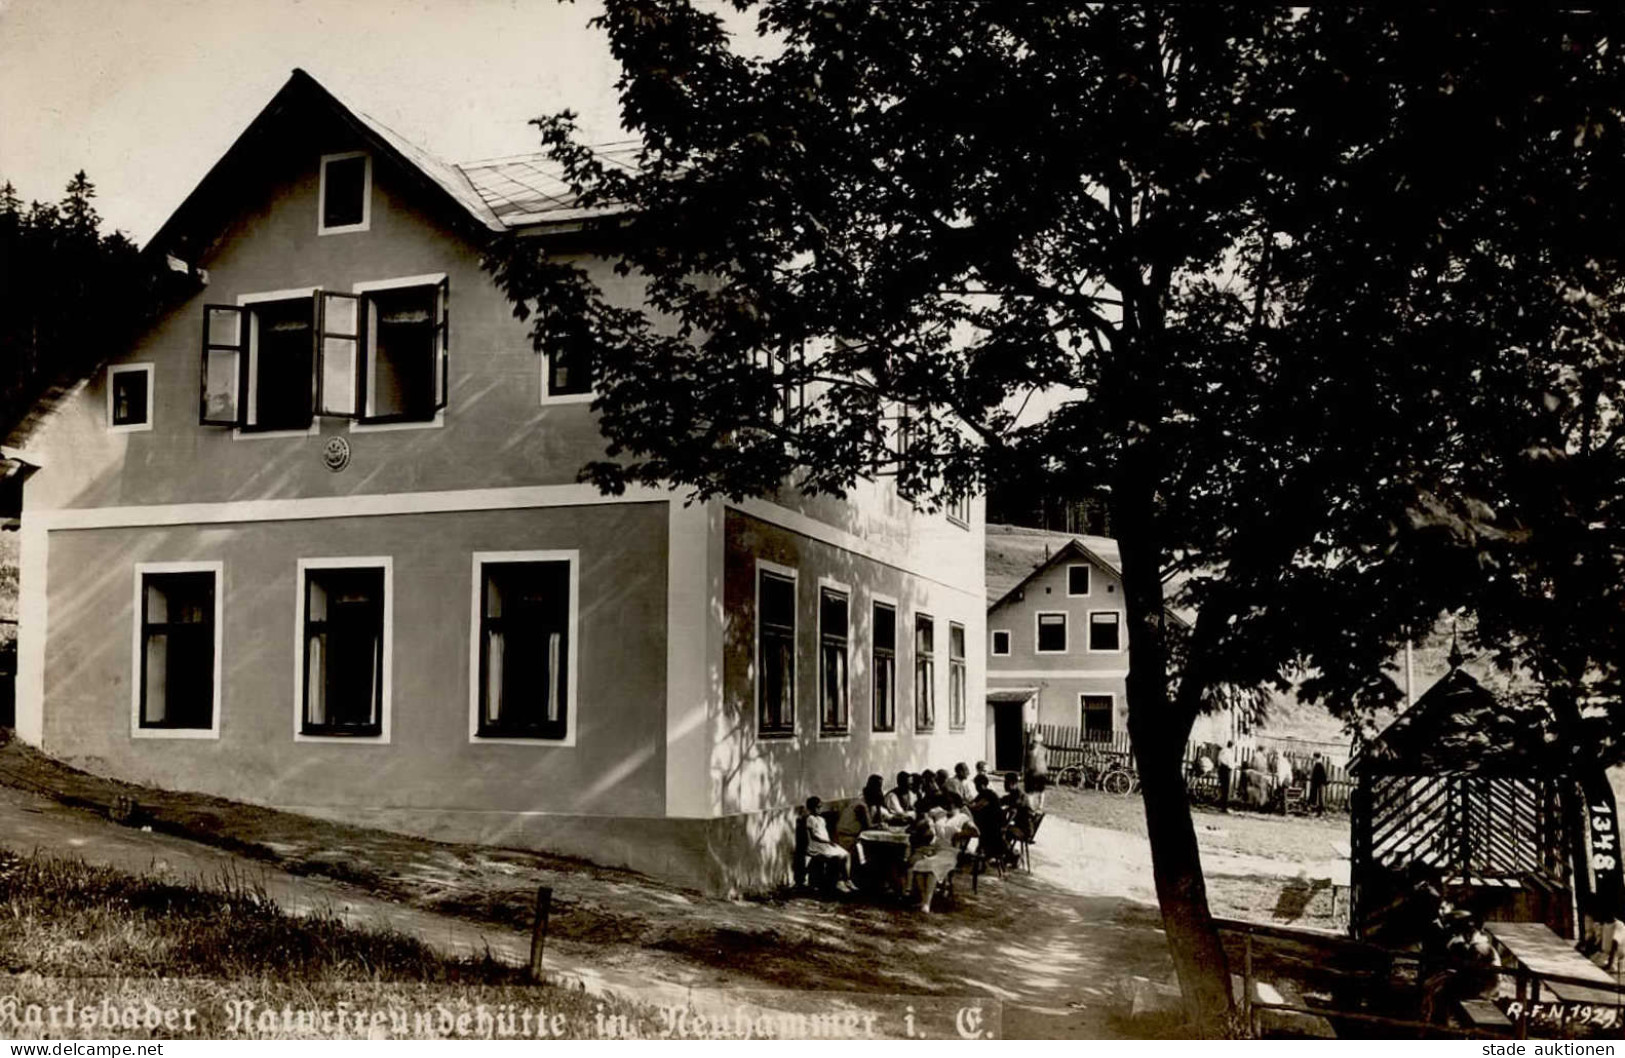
x: 145, y: 95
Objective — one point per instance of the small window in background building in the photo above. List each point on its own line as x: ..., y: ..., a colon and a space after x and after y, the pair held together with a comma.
x: 525, y: 650
x: 834, y: 708
x: 344, y: 651
x: 776, y: 653
x: 925, y: 673
x: 345, y: 186
x: 1097, y: 716
x: 885, y: 661
x: 129, y: 400
x: 1001, y: 644
x: 956, y: 676
x: 1105, y: 631
x: 1052, y: 633
x: 1077, y: 580
x: 177, y: 650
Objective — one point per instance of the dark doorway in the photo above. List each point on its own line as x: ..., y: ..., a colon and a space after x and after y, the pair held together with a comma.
x: 1006, y: 735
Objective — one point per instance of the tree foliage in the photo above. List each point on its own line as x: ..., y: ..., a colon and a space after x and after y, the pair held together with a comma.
x: 1323, y: 301
x: 72, y: 294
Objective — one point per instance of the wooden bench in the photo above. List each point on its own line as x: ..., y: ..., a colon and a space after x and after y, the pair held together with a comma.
x: 1484, y: 1014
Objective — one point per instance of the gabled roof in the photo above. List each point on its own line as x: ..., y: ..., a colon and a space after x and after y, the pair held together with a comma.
x: 1459, y: 726
x: 490, y: 196
x: 1072, y: 550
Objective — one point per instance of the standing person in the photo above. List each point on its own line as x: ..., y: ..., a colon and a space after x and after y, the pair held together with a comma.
x: 1317, y: 785
x: 1037, y: 768
x: 1283, y: 777
x: 1227, y: 764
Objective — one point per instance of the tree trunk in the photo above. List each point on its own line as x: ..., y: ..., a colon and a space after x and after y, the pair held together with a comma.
x: 1176, y: 863
x: 1158, y: 728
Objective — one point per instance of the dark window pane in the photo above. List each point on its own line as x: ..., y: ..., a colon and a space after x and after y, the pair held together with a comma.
x: 344, y: 649
x: 778, y: 600
x: 1097, y: 716
x: 832, y: 613
x: 283, y: 368
x: 885, y: 627
x: 345, y: 189
x: 568, y: 373
x: 129, y: 398
x: 776, y: 636
x: 1001, y: 643
x: 177, y: 661
x: 885, y: 668
x: 1052, y: 632
x: 525, y: 644
x: 1104, y: 631
x: 403, y: 341
x: 1077, y: 580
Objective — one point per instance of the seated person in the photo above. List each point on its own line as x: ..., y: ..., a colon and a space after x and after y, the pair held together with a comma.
x: 856, y: 817
x: 934, y: 847
x: 899, y: 801
x: 981, y: 769
x: 961, y: 784
x: 1018, y: 810
x: 820, y: 847
x: 929, y: 795
x: 989, y: 817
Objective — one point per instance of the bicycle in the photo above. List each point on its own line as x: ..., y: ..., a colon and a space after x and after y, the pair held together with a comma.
x: 1119, y: 780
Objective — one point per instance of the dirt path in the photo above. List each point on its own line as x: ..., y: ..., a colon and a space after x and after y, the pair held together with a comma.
x: 1059, y: 954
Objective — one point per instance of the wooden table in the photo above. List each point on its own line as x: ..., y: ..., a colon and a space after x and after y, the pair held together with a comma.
x: 1540, y: 951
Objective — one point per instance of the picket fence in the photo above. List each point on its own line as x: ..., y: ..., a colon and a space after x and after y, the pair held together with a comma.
x: 1071, y: 745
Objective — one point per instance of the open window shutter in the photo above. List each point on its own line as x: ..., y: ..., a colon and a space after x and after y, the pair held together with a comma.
x: 225, y: 338
x: 442, y: 344
x: 338, y: 354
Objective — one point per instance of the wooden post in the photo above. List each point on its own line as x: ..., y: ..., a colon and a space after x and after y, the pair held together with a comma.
x: 1247, y: 982
x: 538, y: 934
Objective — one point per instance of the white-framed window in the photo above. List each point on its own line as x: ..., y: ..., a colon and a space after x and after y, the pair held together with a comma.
x: 566, y: 378
x: 129, y: 398
x: 925, y: 673
x: 344, y: 649
x: 345, y: 203
x: 1097, y: 715
x: 1077, y: 580
x: 1105, y: 631
x: 379, y: 355
x: 883, y: 647
x: 834, y: 655
x: 525, y: 614
x: 959, y: 512
x: 1050, y: 632
x: 1001, y: 642
x: 956, y: 676
x: 775, y: 650
x: 175, y: 650
x: 259, y: 364
x: 399, y: 379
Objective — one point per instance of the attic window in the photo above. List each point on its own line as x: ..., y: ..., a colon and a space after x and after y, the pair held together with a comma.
x: 129, y: 397
x: 346, y: 193
x: 1077, y: 581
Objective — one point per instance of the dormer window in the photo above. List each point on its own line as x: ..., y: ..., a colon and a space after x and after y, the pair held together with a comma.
x: 346, y: 193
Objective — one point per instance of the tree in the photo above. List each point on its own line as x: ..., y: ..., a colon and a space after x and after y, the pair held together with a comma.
x: 1223, y: 232
x: 72, y: 294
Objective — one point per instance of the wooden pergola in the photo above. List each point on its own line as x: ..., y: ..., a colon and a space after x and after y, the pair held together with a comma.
x: 1467, y: 789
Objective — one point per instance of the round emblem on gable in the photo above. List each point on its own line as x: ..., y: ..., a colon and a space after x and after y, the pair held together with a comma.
x: 336, y: 453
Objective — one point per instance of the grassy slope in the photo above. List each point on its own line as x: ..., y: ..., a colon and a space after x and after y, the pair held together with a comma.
x: 68, y: 929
